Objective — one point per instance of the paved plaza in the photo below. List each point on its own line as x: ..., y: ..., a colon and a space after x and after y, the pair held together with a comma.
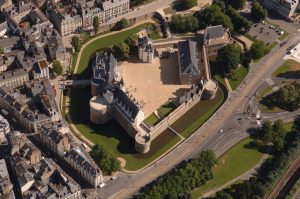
x: 153, y: 84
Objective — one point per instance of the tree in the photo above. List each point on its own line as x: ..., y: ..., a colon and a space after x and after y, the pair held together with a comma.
x: 213, y: 15
x: 258, y: 49
x: 184, y: 24
x: 104, y: 159
x: 187, y: 4
x: 57, y: 67
x: 182, y: 179
x: 278, y: 144
x: 96, y: 24
x: 240, y: 23
x: 2, y: 51
x: 76, y: 43
x: 258, y: 13
x: 123, y: 23
x: 236, y: 4
x: 266, y: 130
x: 121, y: 51
x: 229, y: 57
x: 287, y: 97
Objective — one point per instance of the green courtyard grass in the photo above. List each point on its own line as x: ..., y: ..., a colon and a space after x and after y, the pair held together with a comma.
x: 288, y: 66
x: 240, y: 75
x: 106, y: 42
x: 152, y: 119
x: 238, y: 160
x: 111, y: 135
x: 166, y: 108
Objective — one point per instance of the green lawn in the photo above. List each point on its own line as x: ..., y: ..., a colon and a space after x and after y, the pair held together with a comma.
x: 113, y: 136
x: 74, y: 60
x: 153, y: 32
x: 288, y: 66
x: 195, y: 117
x: 167, y: 108
x: 288, y: 126
x: 240, y: 75
x: 152, y: 119
x: 232, y: 164
x: 266, y: 109
x: 105, y: 42
x: 272, y: 45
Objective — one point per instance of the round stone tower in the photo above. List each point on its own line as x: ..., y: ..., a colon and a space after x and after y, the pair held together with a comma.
x: 99, y: 110
x: 142, y: 143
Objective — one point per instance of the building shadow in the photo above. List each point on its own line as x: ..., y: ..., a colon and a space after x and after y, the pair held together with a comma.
x: 169, y: 70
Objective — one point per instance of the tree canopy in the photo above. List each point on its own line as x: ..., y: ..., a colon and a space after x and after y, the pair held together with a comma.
x: 181, y: 180
x: 236, y: 4
x: 229, y: 57
x: 123, y: 23
x: 187, y: 4
x: 121, y: 51
x: 274, y: 133
x: 258, y: 13
x: 287, y: 97
x: 258, y: 49
x: 96, y: 24
x: 76, y: 43
x: 104, y: 159
x: 240, y: 24
x: 213, y: 15
x: 184, y: 23
x: 57, y: 67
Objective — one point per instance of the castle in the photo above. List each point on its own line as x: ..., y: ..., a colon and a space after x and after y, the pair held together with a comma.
x: 111, y: 100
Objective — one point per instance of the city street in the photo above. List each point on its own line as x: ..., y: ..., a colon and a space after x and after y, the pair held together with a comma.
x: 204, y: 137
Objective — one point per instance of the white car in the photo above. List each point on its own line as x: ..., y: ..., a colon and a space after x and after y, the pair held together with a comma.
x: 102, y: 185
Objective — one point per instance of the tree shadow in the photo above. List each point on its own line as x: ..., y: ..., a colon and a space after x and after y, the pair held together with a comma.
x: 290, y: 75
x: 169, y: 70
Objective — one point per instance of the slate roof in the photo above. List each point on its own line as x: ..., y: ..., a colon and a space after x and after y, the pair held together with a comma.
x: 103, y: 69
x: 188, y: 57
x: 214, y: 32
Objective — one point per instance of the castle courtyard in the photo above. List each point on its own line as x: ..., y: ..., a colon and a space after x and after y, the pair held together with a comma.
x: 153, y: 84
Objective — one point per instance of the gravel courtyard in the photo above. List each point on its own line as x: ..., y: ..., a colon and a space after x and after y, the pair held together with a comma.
x: 153, y: 84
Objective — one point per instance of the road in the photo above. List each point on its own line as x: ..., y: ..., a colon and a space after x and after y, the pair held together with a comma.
x: 127, y: 185
x: 278, y: 191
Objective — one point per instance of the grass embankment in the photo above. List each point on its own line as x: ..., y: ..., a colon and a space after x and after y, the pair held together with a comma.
x: 288, y: 66
x: 113, y: 136
x: 106, y: 42
x: 232, y: 164
x: 200, y: 113
x: 240, y: 75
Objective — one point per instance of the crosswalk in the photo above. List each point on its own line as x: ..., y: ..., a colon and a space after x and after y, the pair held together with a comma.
x: 271, y: 83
